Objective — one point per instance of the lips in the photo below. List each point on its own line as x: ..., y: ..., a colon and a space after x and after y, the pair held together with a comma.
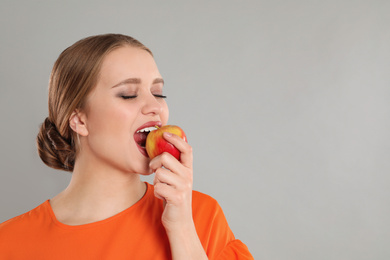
x: 142, y: 132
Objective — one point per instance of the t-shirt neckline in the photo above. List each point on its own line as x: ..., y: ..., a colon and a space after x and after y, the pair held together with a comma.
x: 54, y: 219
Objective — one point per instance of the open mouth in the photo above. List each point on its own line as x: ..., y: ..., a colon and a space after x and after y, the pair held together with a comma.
x: 142, y: 133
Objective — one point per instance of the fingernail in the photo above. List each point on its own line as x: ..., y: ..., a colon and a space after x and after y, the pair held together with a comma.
x: 167, y: 134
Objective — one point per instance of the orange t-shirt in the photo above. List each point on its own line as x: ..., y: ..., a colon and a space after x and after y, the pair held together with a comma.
x: 135, y: 233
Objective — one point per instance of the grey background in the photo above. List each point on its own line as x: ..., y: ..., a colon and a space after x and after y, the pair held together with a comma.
x: 286, y: 104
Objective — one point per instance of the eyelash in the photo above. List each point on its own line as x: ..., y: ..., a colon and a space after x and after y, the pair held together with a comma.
x: 130, y: 97
x: 160, y: 96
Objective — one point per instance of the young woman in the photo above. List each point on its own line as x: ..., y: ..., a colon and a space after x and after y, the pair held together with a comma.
x: 103, y: 91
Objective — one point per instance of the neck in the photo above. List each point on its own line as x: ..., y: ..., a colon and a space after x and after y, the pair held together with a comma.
x: 96, y: 193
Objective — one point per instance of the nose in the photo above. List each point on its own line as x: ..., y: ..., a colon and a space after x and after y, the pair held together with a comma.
x: 151, y: 106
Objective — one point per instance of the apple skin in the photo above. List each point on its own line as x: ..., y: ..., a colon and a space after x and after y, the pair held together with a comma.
x: 156, y: 144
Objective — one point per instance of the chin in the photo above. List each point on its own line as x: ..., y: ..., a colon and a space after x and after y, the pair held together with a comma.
x: 144, y: 170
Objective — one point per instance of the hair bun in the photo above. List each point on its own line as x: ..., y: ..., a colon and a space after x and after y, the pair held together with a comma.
x: 54, y: 150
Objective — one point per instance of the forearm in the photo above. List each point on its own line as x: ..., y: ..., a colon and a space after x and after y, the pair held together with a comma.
x: 185, y: 244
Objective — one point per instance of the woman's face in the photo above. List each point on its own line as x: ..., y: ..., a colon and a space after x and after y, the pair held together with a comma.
x: 128, y: 97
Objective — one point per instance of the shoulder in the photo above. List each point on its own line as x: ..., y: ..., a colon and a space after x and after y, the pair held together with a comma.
x: 206, y: 208
x: 202, y: 200
x: 23, y: 222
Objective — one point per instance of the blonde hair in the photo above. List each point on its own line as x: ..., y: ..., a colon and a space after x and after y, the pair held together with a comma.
x: 73, y: 77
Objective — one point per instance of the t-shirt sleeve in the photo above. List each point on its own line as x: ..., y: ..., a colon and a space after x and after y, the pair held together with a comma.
x: 215, y: 234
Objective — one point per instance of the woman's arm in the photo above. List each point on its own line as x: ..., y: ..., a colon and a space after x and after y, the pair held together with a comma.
x: 173, y: 184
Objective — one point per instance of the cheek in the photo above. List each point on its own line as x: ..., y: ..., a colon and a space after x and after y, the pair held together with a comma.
x: 110, y: 132
x: 165, y: 113
x: 109, y: 119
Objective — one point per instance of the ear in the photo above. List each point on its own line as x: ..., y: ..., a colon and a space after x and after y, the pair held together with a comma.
x: 77, y: 122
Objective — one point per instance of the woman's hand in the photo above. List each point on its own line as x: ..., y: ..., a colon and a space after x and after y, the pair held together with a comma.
x: 173, y: 184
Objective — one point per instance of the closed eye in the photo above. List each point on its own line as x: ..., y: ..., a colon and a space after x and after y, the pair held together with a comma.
x: 160, y: 96
x: 128, y: 97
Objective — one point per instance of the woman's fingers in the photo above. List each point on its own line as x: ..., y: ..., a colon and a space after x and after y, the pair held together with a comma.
x: 169, y: 162
x: 173, y: 184
x: 184, y: 148
x: 170, y: 171
x: 173, y: 179
x: 164, y: 176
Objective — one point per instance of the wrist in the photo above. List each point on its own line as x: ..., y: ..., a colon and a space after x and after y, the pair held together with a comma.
x: 185, y: 243
x: 180, y: 229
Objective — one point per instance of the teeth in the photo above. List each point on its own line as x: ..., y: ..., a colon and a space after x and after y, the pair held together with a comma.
x: 147, y: 129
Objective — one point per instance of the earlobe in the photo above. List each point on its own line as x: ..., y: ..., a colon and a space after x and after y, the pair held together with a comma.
x: 78, y: 124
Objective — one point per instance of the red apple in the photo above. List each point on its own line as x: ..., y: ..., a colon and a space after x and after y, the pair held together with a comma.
x: 156, y: 144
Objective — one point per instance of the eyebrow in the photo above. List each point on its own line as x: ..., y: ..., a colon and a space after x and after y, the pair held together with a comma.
x: 136, y: 81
